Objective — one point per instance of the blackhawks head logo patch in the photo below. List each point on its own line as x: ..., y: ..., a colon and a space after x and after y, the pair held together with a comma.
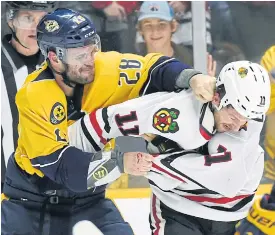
x: 58, y: 113
x: 242, y: 72
x: 164, y: 120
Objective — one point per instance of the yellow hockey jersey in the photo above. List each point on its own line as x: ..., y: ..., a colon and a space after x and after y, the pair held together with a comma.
x: 44, y: 111
x: 268, y: 62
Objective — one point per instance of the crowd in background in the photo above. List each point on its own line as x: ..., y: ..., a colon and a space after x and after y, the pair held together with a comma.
x: 234, y: 31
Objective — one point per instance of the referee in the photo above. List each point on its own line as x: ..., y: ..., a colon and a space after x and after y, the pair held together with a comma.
x: 20, y: 56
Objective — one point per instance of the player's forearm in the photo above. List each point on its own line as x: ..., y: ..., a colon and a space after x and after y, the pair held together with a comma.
x: 67, y: 166
x: 183, y: 80
x: 168, y: 74
x: 78, y: 170
x: 105, y: 168
x: 128, y: 155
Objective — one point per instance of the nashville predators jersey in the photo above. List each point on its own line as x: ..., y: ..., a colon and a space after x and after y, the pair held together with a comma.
x: 268, y: 62
x: 45, y: 112
x: 261, y: 217
x: 118, y: 77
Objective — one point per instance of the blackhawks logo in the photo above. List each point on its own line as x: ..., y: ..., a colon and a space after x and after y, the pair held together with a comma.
x: 164, y: 120
x: 242, y: 72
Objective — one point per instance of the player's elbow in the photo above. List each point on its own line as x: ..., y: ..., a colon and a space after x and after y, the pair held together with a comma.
x: 70, y: 169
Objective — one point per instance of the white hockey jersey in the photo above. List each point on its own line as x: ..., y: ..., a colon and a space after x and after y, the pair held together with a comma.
x: 175, y: 116
x: 218, y: 185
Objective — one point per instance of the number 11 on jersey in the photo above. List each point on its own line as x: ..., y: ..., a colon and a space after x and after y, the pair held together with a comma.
x: 122, y: 119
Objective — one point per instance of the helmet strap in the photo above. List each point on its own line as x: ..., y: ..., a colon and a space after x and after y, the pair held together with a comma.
x: 13, y: 33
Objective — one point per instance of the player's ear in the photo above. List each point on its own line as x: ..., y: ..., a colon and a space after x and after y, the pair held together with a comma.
x: 52, y: 57
x: 10, y: 24
x: 55, y: 61
x: 216, y: 99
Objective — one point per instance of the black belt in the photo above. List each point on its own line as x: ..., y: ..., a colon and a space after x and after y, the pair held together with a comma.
x: 52, y: 197
x: 60, y: 196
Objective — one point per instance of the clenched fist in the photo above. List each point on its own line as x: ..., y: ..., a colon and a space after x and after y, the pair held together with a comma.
x: 137, y: 163
x: 203, y: 87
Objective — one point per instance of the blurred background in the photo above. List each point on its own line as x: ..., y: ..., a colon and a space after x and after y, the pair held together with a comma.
x: 188, y: 31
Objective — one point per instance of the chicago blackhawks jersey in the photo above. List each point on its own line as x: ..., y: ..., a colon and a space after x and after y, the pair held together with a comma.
x: 175, y: 116
x: 216, y: 182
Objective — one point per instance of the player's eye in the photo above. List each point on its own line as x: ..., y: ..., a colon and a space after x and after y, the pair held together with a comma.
x: 27, y: 19
x: 227, y: 127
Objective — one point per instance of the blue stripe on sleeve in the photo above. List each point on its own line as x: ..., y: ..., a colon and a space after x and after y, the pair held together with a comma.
x: 162, y: 75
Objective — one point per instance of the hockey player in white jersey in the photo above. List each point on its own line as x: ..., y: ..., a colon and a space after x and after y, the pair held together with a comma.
x: 198, y: 188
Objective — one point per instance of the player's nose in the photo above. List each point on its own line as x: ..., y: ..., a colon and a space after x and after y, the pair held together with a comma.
x: 237, y: 126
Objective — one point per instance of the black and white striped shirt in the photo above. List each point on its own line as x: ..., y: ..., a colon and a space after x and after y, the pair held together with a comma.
x: 15, y: 67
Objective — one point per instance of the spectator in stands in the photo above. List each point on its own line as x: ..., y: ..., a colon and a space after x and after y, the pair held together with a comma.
x: 116, y: 24
x: 250, y: 25
x: 184, y: 33
x: 112, y: 19
x: 156, y: 24
x: 224, y: 53
x: 221, y: 16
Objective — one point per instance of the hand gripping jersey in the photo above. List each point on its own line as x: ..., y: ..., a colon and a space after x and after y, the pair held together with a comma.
x: 217, y: 185
x: 44, y: 111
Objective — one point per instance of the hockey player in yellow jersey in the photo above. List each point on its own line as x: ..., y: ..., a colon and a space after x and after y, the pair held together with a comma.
x: 261, y: 217
x: 268, y: 61
x: 49, y: 185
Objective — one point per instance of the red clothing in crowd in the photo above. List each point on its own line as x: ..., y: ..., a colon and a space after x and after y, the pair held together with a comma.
x: 129, y: 6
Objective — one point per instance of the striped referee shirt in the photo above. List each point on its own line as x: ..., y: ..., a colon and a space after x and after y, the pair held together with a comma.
x: 15, y: 67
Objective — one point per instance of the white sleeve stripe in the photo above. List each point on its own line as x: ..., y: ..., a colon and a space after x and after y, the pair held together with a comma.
x: 150, y: 77
x: 157, y: 221
x: 51, y: 163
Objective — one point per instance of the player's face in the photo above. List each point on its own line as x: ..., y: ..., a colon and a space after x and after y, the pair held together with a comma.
x: 81, y: 64
x: 228, y: 119
x: 24, y: 25
x: 156, y: 33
